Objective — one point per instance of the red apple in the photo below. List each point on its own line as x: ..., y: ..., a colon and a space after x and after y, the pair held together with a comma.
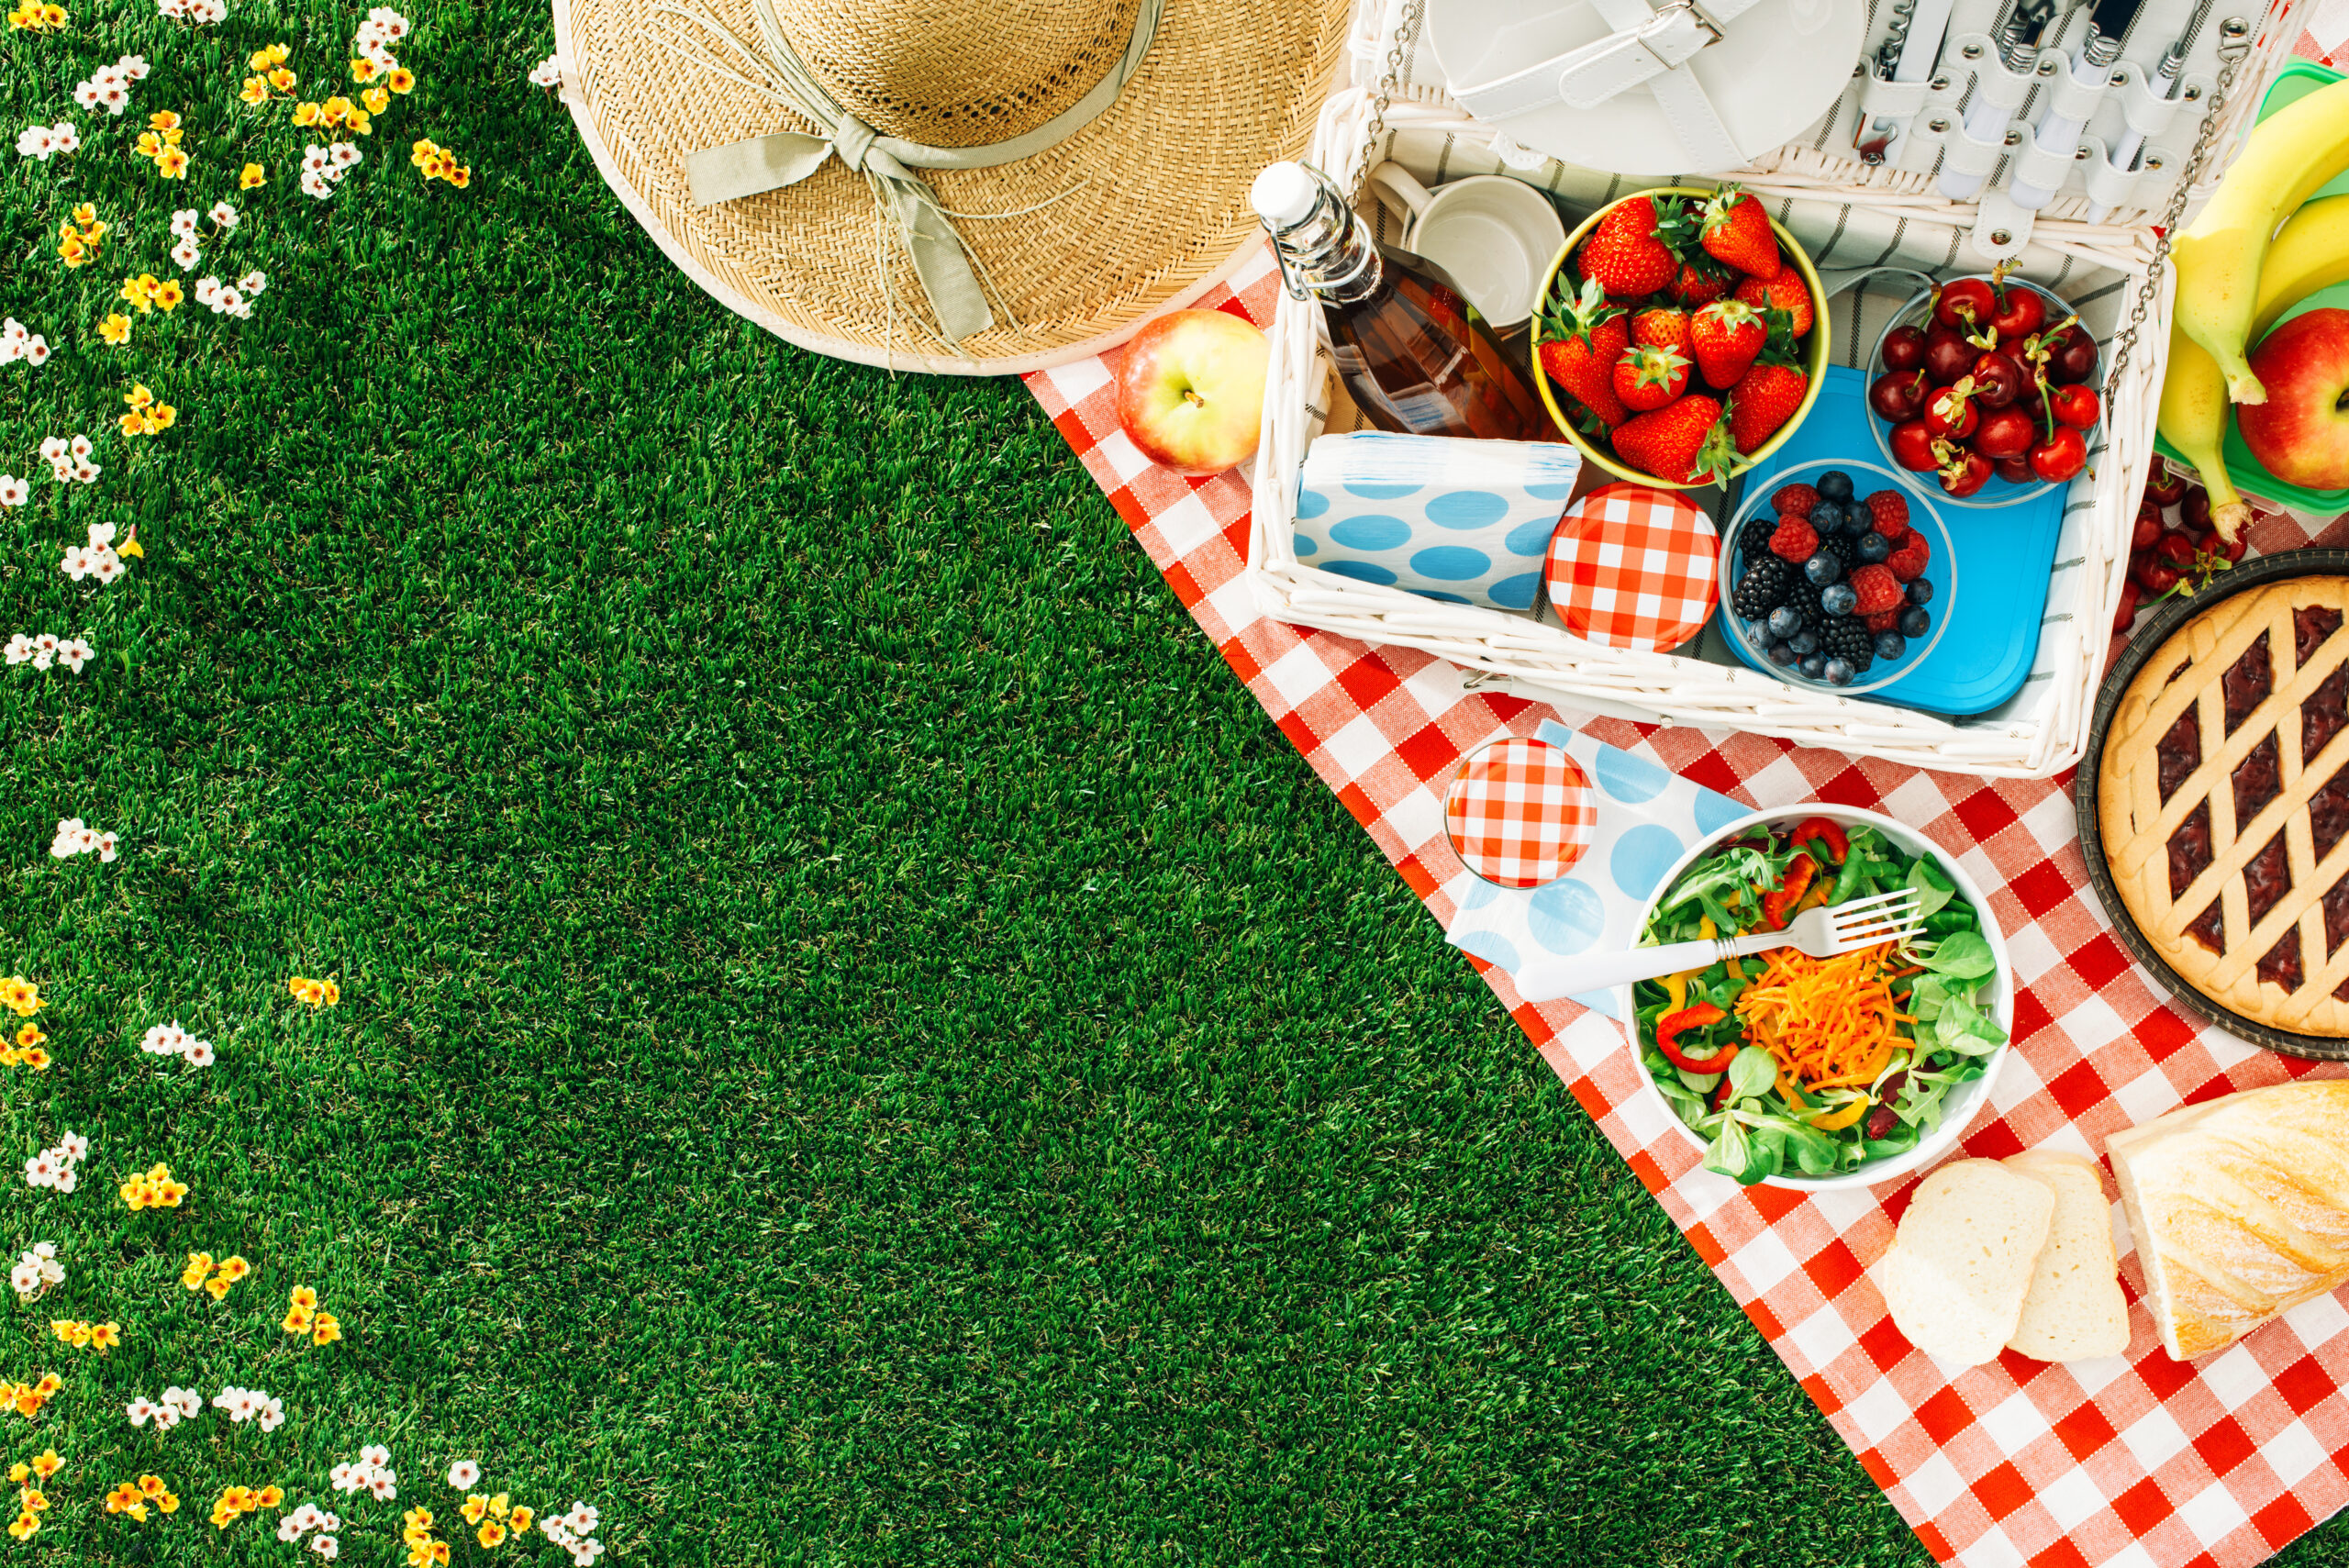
x: 2301, y: 432
x: 1191, y: 390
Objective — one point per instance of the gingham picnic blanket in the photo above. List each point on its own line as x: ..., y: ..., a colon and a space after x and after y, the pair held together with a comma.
x: 2140, y: 1461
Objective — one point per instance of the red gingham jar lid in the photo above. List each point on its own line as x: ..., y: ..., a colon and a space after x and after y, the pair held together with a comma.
x: 1634, y: 567
x: 1521, y: 814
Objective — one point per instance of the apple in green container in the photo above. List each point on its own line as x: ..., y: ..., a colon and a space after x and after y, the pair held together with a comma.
x: 2301, y: 432
x: 1191, y: 390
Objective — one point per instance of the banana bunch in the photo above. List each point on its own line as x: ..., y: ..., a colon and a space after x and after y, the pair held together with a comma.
x: 2236, y: 273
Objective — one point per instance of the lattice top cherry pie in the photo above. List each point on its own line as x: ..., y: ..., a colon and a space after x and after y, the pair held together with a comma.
x: 2223, y: 800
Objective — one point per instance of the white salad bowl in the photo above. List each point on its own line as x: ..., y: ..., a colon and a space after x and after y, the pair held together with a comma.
x: 1960, y: 1105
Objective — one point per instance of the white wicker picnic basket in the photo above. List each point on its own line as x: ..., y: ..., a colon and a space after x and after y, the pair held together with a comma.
x: 1850, y: 217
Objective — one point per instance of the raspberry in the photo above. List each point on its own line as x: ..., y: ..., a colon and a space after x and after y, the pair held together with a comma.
x: 1878, y: 589
x: 1795, y: 500
x: 1796, y: 541
x: 1909, y: 562
x: 1885, y: 620
x: 1891, y: 514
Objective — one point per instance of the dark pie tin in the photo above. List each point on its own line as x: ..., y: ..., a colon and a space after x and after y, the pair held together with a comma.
x: 2148, y: 636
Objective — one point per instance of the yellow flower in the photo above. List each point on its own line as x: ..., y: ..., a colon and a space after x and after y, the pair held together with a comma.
x: 27, y: 1402
x: 359, y: 122
x: 268, y: 1497
x: 283, y: 80
x: 252, y: 176
x: 85, y: 215
x: 476, y: 1507
x: 82, y: 1334
x: 401, y: 80
x: 23, y: 1526
x: 254, y: 90
x: 324, y: 1329
x: 105, y: 1336
x: 492, y: 1533
x: 235, y: 1269
x: 216, y: 1287
x: 335, y: 110
x: 168, y: 1194
x: 140, y: 397
x: 167, y: 294
x: 330, y: 991
x: 46, y: 1463
x: 21, y: 996
x: 30, y: 1036
x: 376, y: 100
x: 149, y: 144
x: 296, y: 1321
x: 152, y: 1486
x: 18, y: 1472
x: 304, y: 1299
x: 48, y: 1386
x: 163, y: 119
x: 237, y: 1497
x: 199, y: 1264
x: 139, y: 292
x: 138, y: 1192
x: 364, y: 70
x: 460, y: 176
x: 423, y: 150
x: 306, y: 114
x: 418, y: 1518
x: 38, y: 1059
x: 121, y: 1498
x: 74, y: 251
x: 32, y: 1500
x: 129, y: 545
x: 168, y: 1503
x: 172, y: 163
x: 135, y: 425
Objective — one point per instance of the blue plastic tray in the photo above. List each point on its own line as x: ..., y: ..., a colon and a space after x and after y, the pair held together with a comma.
x: 2005, y: 556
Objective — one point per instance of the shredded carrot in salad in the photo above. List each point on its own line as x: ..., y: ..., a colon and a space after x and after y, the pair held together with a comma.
x: 1830, y: 1023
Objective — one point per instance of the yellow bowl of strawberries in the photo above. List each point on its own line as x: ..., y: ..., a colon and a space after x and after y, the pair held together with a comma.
x: 1682, y: 335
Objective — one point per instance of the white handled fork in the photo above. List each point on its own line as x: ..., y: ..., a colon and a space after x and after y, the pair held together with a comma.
x: 1822, y: 933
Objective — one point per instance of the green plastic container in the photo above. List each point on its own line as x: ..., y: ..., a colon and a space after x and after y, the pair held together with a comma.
x: 2299, y: 78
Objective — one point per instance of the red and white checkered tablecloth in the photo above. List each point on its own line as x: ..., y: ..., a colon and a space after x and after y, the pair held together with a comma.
x: 2139, y: 1462
x: 1521, y: 813
x: 1633, y: 566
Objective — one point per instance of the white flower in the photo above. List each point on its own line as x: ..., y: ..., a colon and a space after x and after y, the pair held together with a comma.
x: 552, y: 1529
x: 306, y: 1517
x: 240, y: 1402
x: 314, y: 158
x: 40, y: 1171
x: 272, y: 1411
x: 209, y: 11
x: 382, y: 1484
x: 187, y: 1400
x: 106, y: 853
x: 19, y: 649
x: 548, y: 72
x: 52, y: 449
x: 86, y: 94
x: 463, y: 1475
x: 73, y: 1147
x: 14, y: 492
x: 375, y: 1453
x: 253, y: 283
x: 24, y: 1278
x: 314, y: 184
x: 81, y: 448
x: 113, y: 97
x: 166, y: 1417
x: 88, y: 473
x: 36, y: 352
x: 223, y: 215
x: 287, y: 1529
x: 205, y: 290
x: 582, y: 1520
x: 139, y: 1409
x: 36, y: 141
x: 134, y: 66
x: 583, y: 1554
x: 101, y: 535
x: 326, y: 1547
x: 227, y: 299
x: 79, y: 560
x: 45, y: 1251
x: 344, y: 154
x: 67, y: 1179
x: 198, y: 1053
x: 187, y: 254
x: 185, y: 222
x: 65, y: 137
x: 342, y: 1478
x: 106, y: 566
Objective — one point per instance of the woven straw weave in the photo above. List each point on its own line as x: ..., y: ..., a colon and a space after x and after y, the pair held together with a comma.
x: 1142, y: 209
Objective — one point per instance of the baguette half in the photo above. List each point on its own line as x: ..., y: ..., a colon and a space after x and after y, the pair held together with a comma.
x: 2239, y: 1208
x: 1962, y: 1261
x: 2074, y: 1310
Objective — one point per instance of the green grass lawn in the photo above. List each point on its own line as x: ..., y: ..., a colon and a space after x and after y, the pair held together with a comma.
x: 859, y: 1042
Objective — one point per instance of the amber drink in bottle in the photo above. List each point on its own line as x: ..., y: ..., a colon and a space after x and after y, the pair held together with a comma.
x: 1415, y: 356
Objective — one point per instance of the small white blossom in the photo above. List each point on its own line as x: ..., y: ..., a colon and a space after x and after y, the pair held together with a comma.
x: 223, y: 215
x: 326, y: 1547
x: 463, y: 1475
x: 106, y: 566
x: 271, y: 1412
x: 253, y: 283
x: 139, y: 1410
x: 133, y: 66
x: 14, y: 492
x: 548, y: 72
x: 344, y: 155
x: 582, y: 1520
x: 73, y: 653
x: 73, y: 1147
x: 188, y: 1401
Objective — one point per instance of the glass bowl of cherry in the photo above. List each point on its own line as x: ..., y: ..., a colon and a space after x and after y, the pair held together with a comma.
x: 1985, y: 386
x: 1840, y: 577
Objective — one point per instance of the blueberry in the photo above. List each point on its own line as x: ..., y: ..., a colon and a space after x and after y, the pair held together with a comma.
x: 1804, y: 642
x: 1915, y: 621
x: 1837, y: 672
x: 1875, y: 547
x: 1782, y: 655
x: 1822, y: 569
x: 1833, y: 486
x: 1890, y: 645
x: 1758, y: 631
x: 1814, y: 665
x: 1920, y: 591
x: 1827, y: 516
x: 1784, y: 621
x: 1838, y: 599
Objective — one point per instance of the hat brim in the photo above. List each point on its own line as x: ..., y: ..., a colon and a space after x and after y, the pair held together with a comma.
x: 1142, y: 211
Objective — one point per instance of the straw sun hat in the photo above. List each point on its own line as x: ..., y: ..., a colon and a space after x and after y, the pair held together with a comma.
x: 944, y: 185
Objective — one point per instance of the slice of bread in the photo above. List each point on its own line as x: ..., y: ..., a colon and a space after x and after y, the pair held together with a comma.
x: 1962, y: 1259
x: 2075, y: 1310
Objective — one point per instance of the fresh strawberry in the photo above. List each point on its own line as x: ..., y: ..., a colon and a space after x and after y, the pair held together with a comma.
x: 1583, y: 341
x: 1883, y: 620
x: 1726, y: 337
x: 1648, y: 378
x: 1794, y: 501
x: 1737, y: 231
x: 1786, y: 292
x: 1909, y: 562
x: 1624, y: 254
x: 1794, y: 541
x: 1682, y: 441
x: 1661, y: 327
x: 1878, y: 590
x: 1890, y: 513
x: 1702, y: 284
x: 1765, y: 398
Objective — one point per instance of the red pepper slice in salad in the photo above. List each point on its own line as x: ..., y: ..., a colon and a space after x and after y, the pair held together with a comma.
x: 1839, y: 848
x: 1777, y: 904
x: 1704, y: 1015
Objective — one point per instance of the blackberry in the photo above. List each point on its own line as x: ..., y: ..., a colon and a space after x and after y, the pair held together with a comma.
x: 1763, y: 587
x: 1847, y: 638
x: 1803, y: 599
x: 1754, y: 538
x: 1842, y: 547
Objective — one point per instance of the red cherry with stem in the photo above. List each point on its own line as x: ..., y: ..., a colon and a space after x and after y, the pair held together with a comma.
x: 2004, y: 432
x: 2074, y: 359
x: 2077, y: 407
x: 2061, y: 456
x: 2020, y: 311
x: 2160, y: 578
x: 1966, y: 473
x: 1912, y: 447
x: 2165, y: 488
x: 1964, y: 303
x: 1899, y: 395
x: 1904, y: 349
x: 1950, y: 412
x: 2174, y: 547
x: 1997, y: 380
x: 2148, y: 528
x: 2229, y: 550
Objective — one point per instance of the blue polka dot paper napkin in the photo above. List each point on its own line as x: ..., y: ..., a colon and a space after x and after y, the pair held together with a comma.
x: 1647, y: 817
x: 1467, y: 522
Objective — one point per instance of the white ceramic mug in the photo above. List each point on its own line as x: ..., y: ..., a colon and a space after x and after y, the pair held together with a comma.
x: 1496, y: 236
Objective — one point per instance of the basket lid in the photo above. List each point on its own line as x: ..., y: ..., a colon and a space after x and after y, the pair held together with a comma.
x: 1521, y: 812
x: 1633, y: 566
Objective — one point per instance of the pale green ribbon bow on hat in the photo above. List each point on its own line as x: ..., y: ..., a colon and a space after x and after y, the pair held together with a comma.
x: 949, y: 272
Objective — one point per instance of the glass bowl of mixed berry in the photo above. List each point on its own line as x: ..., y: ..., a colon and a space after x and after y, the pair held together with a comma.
x: 1839, y: 577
